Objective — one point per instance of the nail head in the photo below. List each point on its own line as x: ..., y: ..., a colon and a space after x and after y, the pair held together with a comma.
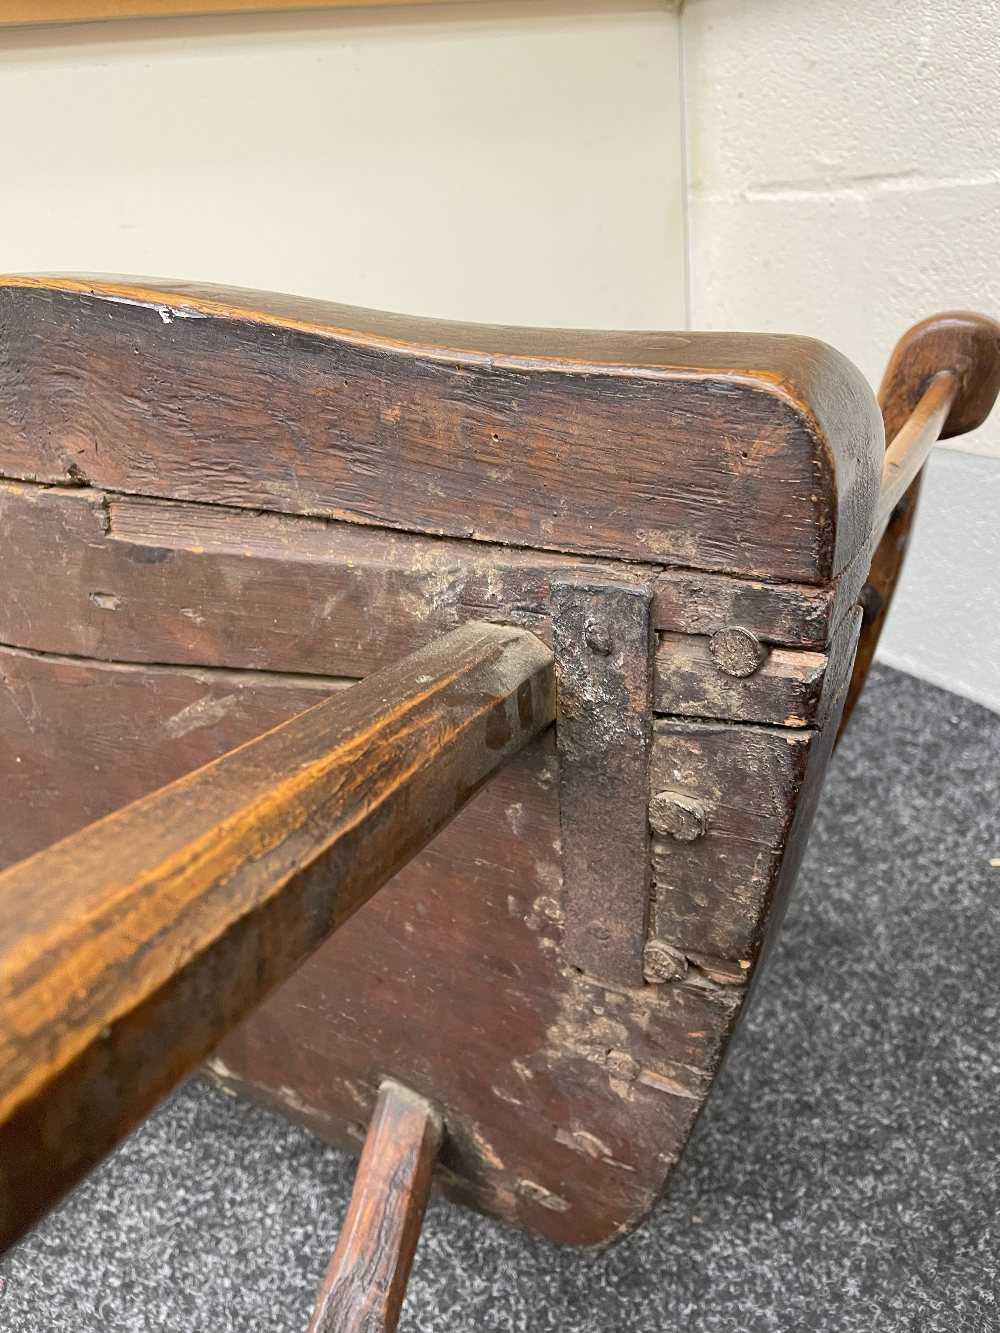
x: 737, y: 651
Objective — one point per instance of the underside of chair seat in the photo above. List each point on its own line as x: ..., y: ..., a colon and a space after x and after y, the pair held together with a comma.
x: 218, y: 507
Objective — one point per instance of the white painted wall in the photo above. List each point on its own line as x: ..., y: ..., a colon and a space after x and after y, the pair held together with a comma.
x: 522, y: 162
x: 515, y: 162
x: 844, y: 181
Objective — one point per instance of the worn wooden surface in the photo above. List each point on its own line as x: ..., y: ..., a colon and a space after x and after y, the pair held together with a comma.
x: 793, y: 615
x: 364, y: 1287
x: 966, y: 346
x: 183, y: 613
x: 712, y: 891
x: 786, y: 690
x: 133, y: 946
x: 62, y: 721
x: 553, y: 1128
x: 557, y: 440
x: 960, y: 341
x: 137, y: 580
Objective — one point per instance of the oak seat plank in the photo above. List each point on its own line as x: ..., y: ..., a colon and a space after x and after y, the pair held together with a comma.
x: 745, y: 453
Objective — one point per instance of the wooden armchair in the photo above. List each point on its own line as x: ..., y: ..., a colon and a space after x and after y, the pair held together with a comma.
x: 222, y: 509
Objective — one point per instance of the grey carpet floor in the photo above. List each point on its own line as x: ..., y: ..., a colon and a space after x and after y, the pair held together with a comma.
x: 845, y: 1176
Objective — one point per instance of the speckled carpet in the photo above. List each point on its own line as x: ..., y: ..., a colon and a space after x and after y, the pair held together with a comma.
x: 845, y: 1176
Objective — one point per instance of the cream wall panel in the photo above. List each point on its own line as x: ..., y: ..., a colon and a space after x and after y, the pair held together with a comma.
x: 505, y: 162
x: 945, y: 621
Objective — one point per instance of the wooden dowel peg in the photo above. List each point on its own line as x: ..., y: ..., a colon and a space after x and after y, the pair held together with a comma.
x: 366, y: 1281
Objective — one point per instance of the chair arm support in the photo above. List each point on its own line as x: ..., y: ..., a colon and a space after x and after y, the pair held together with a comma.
x: 941, y: 381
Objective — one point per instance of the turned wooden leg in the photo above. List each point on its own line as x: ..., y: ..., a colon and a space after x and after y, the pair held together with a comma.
x: 365, y: 1284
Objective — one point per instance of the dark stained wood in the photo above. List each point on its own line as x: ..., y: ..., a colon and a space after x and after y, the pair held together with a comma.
x: 749, y: 454
x: 785, y: 691
x: 131, y: 947
x: 567, y: 1101
x: 63, y: 720
x: 556, y: 1088
x: 875, y: 596
x: 787, y: 614
x: 137, y: 580
x: 711, y: 892
x: 968, y: 346
x: 731, y: 808
x: 365, y: 1284
x: 535, y: 1083
x: 602, y: 643
x: 568, y: 1096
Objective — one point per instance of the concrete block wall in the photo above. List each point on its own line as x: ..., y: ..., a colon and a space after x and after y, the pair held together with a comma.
x: 844, y: 181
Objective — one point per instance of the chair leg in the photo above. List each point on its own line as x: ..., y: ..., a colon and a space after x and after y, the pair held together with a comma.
x: 365, y: 1284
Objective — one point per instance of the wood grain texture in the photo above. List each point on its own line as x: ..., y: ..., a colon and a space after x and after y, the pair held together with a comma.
x: 62, y: 721
x: 174, y: 426
x: 564, y: 1121
x: 959, y: 341
x: 749, y: 454
x: 365, y: 1284
x: 787, y: 690
x: 162, y: 925
x: 968, y: 346
x: 910, y: 449
x: 711, y: 893
x: 570, y: 1100
x: 137, y: 580
x: 731, y: 807
x: 791, y: 615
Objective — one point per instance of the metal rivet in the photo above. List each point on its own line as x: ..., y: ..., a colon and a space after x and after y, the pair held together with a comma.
x: 662, y: 963
x: 598, y: 637
x: 737, y: 651
x: 674, y: 816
